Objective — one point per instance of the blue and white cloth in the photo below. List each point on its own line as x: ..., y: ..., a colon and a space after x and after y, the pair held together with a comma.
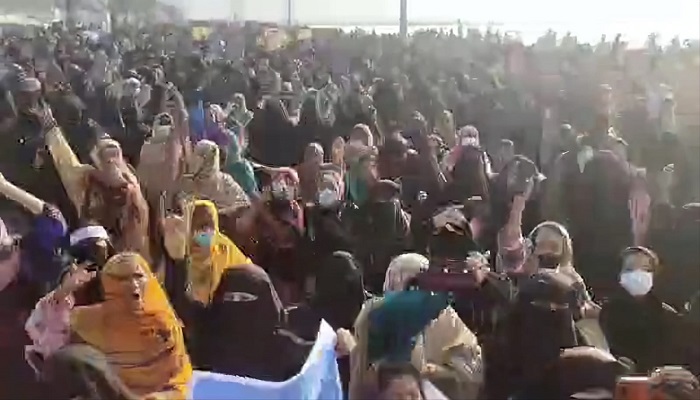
x: 318, y: 379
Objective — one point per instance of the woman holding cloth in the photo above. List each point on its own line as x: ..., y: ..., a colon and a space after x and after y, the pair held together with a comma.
x: 135, y: 332
x: 445, y: 352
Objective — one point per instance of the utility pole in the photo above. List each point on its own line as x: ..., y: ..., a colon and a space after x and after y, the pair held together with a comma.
x: 289, y: 12
x: 403, y: 22
x: 70, y: 13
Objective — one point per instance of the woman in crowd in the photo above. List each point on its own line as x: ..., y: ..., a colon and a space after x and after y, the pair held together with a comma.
x: 282, y: 249
x: 201, y: 258
x: 240, y: 168
x: 547, y: 247
x: 637, y: 324
x: 446, y: 352
x: 134, y: 329
x: 204, y: 179
x: 16, y: 296
x: 211, y: 283
x: 309, y: 171
x: 536, y: 328
x: 325, y: 225
x: 108, y: 193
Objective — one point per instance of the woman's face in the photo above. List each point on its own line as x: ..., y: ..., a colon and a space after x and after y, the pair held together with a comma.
x: 548, y: 241
x: 360, y: 135
x: 202, y: 220
x: 314, y: 154
x: 132, y: 285
x: 110, y: 153
x: 402, y: 388
x: 637, y: 262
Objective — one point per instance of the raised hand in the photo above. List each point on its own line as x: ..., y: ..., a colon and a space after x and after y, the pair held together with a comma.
x: 76, y: 279
x: 175, y: 235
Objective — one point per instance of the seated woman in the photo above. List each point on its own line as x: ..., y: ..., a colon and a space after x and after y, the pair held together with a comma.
x: 201, y: 256
x: 539, y: 324
x: 547, y: 247
x: 445, y: 352
x: 134, y: 328
x: 637, y: 324
x: 233, y: 313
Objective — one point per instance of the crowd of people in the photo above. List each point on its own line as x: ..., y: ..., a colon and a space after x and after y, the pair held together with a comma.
x: 499, y: 220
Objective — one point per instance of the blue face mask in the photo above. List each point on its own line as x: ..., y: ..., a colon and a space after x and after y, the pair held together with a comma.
x: 204, y: 239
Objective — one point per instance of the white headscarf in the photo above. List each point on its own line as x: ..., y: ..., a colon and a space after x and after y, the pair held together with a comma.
x: 402, y: 269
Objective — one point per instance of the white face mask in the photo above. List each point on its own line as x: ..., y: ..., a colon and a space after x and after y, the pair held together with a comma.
x: 327, y: 198
x: 637, y: 283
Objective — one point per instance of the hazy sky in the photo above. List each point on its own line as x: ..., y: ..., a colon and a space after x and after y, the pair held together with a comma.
x: 678, y: 16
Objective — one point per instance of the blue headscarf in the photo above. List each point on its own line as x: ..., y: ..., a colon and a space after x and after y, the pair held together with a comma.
x: 357, y: 190
x: 240, y: 169
x: 42, y: 259
x: 394, y: 325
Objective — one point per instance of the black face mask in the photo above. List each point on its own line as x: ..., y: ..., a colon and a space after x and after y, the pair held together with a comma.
x: 549, y: 261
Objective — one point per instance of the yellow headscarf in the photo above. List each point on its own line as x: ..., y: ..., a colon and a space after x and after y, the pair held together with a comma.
x: 145, y: 347
x: 207, y: 267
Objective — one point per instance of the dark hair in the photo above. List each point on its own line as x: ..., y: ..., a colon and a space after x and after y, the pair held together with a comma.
x: 389, y: 371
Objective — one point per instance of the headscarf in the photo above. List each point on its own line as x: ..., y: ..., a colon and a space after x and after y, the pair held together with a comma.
x: 566, y: 265
x: 355, y: 157
x: 240, y: 169
x: 115, y: 200
x: 207, y: 161
x: 402, y: 269
x: 469, y: 174
x: 541, y: 323
x: 340, y: 291
x: 41, y: 255
x: 208, y: 182
x: 249, y: 347
x: 146, y: 346
x: 161, y: 151
x: 467, y: 136
x: 207, y: 267
x: 309, y: 171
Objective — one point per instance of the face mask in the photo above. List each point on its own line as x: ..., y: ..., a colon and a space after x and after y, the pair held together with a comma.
x: 204, y: 239
x: 549, y: 261
x: 637, y: 283
x: 327, y: 198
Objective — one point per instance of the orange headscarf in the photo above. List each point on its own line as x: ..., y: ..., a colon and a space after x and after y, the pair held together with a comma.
x: 145, y: 346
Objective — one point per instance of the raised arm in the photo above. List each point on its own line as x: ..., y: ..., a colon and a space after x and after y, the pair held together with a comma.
x: 70, y: 169
x: 21, y: 196
x: 511, y: 246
